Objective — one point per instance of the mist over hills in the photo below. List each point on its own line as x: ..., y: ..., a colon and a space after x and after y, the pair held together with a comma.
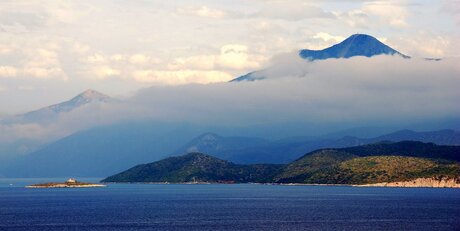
x: 50, y: 113
x: 102, y: 150
x: 107, y: 150
x: 289, y: 149
x: 31, y: 131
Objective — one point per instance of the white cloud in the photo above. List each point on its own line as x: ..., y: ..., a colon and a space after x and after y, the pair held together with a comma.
x: 180, y: 77
x: 355, y: 18
x: 202, y: 11
x: 103, y: 72
x: 327, y: 37
x: 388, y: 12
x: 233, y: 57
x: 289, y: 11
x: 412, y: 90
x: 428, y: 45
x: 26, y: 88
x: 101, y: 43
x: 42, y: 63
x: 452, y: 7
x: 141, y: 59
x: 96, y: 58
x: 8, y: 71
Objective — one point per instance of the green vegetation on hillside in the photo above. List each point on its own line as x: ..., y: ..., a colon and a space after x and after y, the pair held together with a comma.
x: 197, y: 167
x: 382, y: 162
x: 373, y: 169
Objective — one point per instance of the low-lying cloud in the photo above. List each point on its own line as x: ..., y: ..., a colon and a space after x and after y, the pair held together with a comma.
x: 375, y: 91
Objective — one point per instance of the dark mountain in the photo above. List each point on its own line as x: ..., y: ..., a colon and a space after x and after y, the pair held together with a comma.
x: 382, y: 162
x: 196, y: 167
x: 355, y: 45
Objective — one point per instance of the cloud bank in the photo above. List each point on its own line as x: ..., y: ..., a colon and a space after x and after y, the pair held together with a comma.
x: 341, y: 93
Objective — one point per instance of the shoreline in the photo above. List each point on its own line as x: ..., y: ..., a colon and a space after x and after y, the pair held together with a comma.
x: 404, y: 184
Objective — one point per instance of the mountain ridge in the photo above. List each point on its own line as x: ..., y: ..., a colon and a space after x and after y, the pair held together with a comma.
x: 382, y: 163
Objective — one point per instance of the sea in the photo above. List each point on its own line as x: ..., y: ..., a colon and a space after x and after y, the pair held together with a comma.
x: 225, y: 207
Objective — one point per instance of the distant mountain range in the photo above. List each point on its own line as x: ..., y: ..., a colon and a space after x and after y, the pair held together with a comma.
x: 106, y: 150
x: 239, y: 150
x: 355, y: 45
x: 375, y: 163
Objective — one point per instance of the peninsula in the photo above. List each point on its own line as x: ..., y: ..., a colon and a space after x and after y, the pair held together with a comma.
x: 384, y: 164
x: 70, y: 183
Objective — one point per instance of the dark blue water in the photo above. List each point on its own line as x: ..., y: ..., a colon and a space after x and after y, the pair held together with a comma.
x: 226, y: 207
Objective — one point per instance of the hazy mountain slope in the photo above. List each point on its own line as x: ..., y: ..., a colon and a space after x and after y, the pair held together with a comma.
x: 102, y: 151
x: 106, y: 150
x: 248, y: 150
x: 47, y: 116
x: 442, y: 137
x: 50, y: 113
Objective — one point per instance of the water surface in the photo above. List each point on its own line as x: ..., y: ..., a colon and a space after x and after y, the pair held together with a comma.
x: 226, y: 207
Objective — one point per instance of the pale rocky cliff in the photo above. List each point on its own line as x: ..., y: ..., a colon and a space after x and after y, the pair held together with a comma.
x: 421, y: 182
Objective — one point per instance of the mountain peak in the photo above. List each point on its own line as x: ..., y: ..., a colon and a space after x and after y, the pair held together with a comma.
x: 361, y: 36
x: 92, y: 94
x: 86, y: 97
x: 355, y: 45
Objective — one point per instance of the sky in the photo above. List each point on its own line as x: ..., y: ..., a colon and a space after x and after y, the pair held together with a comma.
x: 52, y: 50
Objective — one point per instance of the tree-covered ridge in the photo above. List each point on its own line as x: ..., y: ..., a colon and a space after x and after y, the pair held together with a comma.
x: 197, y: 167
x: 381, y: 162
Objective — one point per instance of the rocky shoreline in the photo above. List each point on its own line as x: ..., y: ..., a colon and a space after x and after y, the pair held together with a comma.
x: 419, y: 183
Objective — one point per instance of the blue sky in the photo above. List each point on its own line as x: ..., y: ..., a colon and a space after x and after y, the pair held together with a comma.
x: 53, y: 50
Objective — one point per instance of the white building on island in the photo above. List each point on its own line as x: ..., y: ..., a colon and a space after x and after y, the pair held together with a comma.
x: 71, y: 180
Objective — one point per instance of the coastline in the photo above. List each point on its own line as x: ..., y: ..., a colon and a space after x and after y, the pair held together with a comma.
x: 416, y: 183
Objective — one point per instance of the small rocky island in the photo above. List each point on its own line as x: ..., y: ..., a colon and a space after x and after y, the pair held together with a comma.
x: 70, y: 183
